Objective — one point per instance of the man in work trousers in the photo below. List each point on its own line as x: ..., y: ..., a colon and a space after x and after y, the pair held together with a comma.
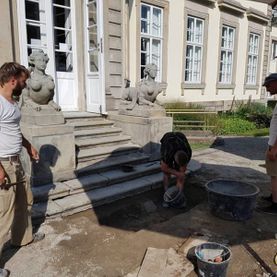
x: 175, y: 156
x: 15, y: 194
x: 271, y: 154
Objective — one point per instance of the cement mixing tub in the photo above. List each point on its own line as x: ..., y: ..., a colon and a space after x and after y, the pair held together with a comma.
x: 232, y: 200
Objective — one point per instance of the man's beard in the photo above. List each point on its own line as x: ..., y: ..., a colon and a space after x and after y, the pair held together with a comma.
x: 17, y: 92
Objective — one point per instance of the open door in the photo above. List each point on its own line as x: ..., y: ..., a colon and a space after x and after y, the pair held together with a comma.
x: 95, y: 92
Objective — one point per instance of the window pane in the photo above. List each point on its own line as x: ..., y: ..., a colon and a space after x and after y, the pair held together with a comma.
x: 92, y: 14
x: 156, y: 49
x: 199, y: 31
x: 145, y: 19
x: 64, y: 61
x: 145, y: 12
x: 62, y: 2
x: 63, y: 40
x: 92, y: 32
x: 142, y: 72
x: 145, y: 49
x: 62, y: 17
x: 32, y: 10
x: 33, y: 35
x: 156, y: 26
x: 93, y: 58
x: 190, y: 29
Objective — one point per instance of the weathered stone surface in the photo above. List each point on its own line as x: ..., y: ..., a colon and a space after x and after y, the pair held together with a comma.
x: 154, y: 263
x: 50, y: 191
x: 145, y: 132
x: 56, y: 148
x: 44, y: 117
x: 86, y: 183
x: 143, y: 111
x: 45, y: 209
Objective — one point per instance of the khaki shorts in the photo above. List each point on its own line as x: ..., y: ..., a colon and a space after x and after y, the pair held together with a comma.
x: 271, y: 167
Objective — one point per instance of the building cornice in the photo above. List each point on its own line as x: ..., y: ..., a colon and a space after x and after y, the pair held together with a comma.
x: 232, y: 6
x: 257, y: 15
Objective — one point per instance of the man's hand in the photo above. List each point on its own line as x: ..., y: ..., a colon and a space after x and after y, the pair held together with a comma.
x: 272, y: 153
x: 164, y: 167
x: 33, y: 153
x: 2, y: 177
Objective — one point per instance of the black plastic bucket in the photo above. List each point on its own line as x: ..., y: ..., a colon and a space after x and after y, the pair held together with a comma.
x: 206, y: 255
x: 232, y: 200
x: 174, y: 197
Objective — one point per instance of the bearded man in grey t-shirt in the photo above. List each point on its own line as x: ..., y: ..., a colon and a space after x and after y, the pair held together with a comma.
x: 15, y: 193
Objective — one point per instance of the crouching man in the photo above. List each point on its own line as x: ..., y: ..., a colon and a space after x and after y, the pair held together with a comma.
x: 175, y: 156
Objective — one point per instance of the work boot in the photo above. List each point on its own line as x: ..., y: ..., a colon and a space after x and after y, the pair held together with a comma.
x: 38, y: 237
x: 272, y: 209
x: 4, y: 272
x: 267, y: 198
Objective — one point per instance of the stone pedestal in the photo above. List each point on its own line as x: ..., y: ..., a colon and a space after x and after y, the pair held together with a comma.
x: 46, y: 116
x: 143, y: 111
x: 145, y: 131
x: 56, y: 147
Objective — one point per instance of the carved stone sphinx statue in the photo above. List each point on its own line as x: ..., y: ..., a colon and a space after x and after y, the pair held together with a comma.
x: 146, y: 92
x: 37, y: 104
x: 40, y: 87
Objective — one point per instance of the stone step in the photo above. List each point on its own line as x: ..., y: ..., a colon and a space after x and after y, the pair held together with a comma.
x: 84, y: 168
x: 97, y: 189
x: 108, y: 131
x: 93, y: 181
x: 105, y: 151
x: 94, y: 142
x: 74, y: 203
x: 80, y: 115
x: 88, y: 125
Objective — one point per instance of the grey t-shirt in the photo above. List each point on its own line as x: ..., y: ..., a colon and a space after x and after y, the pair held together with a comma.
x: 10, y: 133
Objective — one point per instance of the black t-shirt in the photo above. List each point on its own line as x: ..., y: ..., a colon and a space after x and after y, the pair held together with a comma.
x: 172, y: 142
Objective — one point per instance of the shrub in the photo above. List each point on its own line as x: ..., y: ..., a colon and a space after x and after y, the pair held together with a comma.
x: 255, y: 112
x: 234, y: 126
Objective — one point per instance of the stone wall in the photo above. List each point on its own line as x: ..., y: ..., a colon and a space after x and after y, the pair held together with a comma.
x: 113, y: 22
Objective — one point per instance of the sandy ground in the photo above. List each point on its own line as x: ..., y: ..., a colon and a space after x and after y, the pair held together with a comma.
x: 112, y: 240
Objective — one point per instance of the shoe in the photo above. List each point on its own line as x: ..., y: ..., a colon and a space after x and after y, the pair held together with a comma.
x: 272, y: 209
x: 38, y: 237
x: 4, y: 272
x: 267, y: 198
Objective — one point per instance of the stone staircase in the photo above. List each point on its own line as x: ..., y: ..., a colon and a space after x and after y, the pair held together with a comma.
x: 102, y: 150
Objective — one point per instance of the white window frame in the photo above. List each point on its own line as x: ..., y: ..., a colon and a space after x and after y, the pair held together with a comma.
x: 273, y: 49
x: 195, y: 75
x: 152, y: 37
x: 228, y: 47
x: 253, y: 58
